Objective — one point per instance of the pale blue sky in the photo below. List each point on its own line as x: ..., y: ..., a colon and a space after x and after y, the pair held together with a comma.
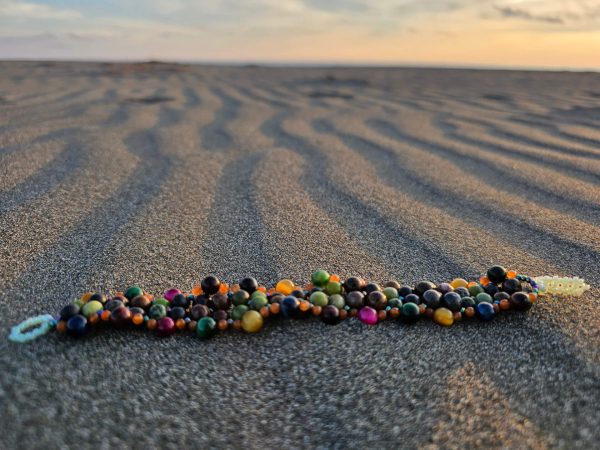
x: 545, y: 33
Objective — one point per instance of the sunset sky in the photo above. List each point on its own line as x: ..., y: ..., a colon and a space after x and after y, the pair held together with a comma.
x: 528, y: 33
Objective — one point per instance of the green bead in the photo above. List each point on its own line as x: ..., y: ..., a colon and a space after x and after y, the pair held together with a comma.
x: 91, y: 308
x: 258, y: 302
x: 483, y: 297
x: 410, y: 312
x: 395, y: 303
x: 205, y: 328
x: 157, y: 311
x: 161, y: 301
x: 238, y: 312
x: 240, y: 297
x: 319, y: 298
x: 79, y: 303
x: 390, y: 293
x: 475, y: 289
x: 258, y: 294
x: 337, y: 300
x: 320, y: 278
x: 333, y: 287
x: 133, y: 292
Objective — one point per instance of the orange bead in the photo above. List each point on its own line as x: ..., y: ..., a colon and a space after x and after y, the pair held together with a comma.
x: 196, y: 290
x: 151, y: 324
x: 274, y: 308
x: 93, y: 319
x: 271, y: 291
x: 484, y: 281
x: 285, y: 287
x: 85, y: 297
x: 105, y: 316
x: 309, y: 286
x: 511, y: 274
x: 532, y: 297
x: 61, y: 327
x: 192, y: 326
x: 496, y: 308
x: 504, y: 304
x: 222, y: 324
x: 224, y: 288
x: 304, y: 305
x: 149, y: 296
x: 472, y: 283
x: 469, y: 311
x: 457, y: 316
x: 343, y: 314
x: 459, y: 282
x: 422, y: 309
x: 262, y: 289
x: 237, y: 324
x: 353, y: 312
x: 137, y: 319
x: 381, y: 314
x: 180, y: 324
x: 264, y: 311
x: 316, y: 310
x: 334, y: 278
x: 394, y: 313
x: 235, y: 287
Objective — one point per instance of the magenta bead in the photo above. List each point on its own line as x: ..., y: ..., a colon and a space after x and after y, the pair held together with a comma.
x: 367, y: 315
x: 171, y: 293
x: 165, y: 326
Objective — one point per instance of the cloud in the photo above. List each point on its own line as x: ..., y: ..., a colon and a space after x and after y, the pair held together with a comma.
x: 517, y: 13
x: 28, y: 10
x: 338, y: 5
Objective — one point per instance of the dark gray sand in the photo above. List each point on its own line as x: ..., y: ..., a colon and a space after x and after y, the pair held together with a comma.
x: 160, y: 174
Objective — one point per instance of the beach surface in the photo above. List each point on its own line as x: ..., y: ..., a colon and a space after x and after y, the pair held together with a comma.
x: 160, y: 174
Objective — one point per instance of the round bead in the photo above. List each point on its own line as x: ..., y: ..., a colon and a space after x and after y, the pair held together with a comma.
x: 496, y: 274
x: 252, y: 321
x: 77, y: 325
x: 377, y: 300
x: 240, y: 297
x: 462, y: 291
x: 249, y: 285
x: 520, y: 301
x: 98, y: 297
x: 141, y: 301
x: 177, y: 312
x: 467, y: 302
x: 171, y: 293
x: 414, y: 298
x: 355, y: 299
x: 180, y: 300
x: 289, y: 307
x: 390, y: 292
x: 319, y: 298
x: 258, y: 302
x: 404, y: 291
x: 90, y: 308
x: 285, y: 287
x: 157, y: 311
x: 511, y: 285
x: 337, y: 300
x: 221, y: 301
x: 432, y: 298
x: 330, y: 315
x: 353, y: 284
x: 120, y: 316
x: 443, y: 316
x: 469, y: 311
x: 162, y: 301
x: 423, y: 286
x: 393, y: 284
x: 459, y: 282
x: 367, y: 315
x: 210, y: 285
x: 410, y: 312
x: 320, y: 278
x: 452, y: 301
x: 69, y: 311
x: 372, y: 287
x: 133, y: 292
x: 475, y: 289
x: 483, y: 297
x: 444, y: 288
x: 333, y: 287
x: 238, y: 312
x: 137, y: 319
x: 165, y: 326
x: 219, y: 314
x: 485, y: 311
x: 205, y: 328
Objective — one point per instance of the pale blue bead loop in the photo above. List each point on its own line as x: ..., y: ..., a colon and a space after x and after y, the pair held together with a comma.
x: 32, y: 328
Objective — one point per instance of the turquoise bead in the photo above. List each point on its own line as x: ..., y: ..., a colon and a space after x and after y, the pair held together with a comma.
x: 133, y: 292
x: 157, y: 311
x: 205, y: 328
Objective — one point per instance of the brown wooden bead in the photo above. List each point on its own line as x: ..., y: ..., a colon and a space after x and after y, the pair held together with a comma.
x: 469, y: 311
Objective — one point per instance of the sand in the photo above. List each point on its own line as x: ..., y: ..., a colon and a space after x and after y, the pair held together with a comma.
x: 159, y: 174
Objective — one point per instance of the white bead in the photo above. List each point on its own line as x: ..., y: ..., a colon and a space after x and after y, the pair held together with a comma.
x: 573, y: 286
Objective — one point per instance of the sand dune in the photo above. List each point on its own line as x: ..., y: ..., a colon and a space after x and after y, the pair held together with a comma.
x: 158, y: 174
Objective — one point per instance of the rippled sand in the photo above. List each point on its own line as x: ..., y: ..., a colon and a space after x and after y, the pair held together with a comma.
x: 159, y: 174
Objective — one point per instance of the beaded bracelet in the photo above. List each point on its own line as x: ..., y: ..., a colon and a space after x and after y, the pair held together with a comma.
x: 214, y: 305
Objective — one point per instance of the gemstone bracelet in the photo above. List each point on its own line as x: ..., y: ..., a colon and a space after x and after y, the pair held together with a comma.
x: 214, y: 306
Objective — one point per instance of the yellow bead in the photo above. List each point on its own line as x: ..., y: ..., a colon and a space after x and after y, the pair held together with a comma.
x: 443, y: 316
x: 459, y: 282
x: 285, y: 287
x: 252, y: 321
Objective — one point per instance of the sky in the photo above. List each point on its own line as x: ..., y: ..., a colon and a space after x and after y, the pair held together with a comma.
x: 500, y: 33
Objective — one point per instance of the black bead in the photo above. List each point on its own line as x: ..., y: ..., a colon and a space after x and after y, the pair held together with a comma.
x: 404, y: 291
x: 330, y: 315
x: 180, y: 300
x: 452, y: 301
x: 355, y: 299
x: 221, y: 301
x: 511, y: 285
x: 423, y: 286
x: 199, y: 311
x: 466, y: 302
x: 462, y: 291
x: 113, y: 304
x: 496, y: 274
x: 299, y: 293
x: 432, y: 298
x: 520, y: 301
x: 210, y: 285
x: 249, y: 285
x: 77, y: 325
x: 491, y: 289
x: 98, y: 297
x: 372, y: 287
x: 501, y: 296
x: 393, y: 284
x: 69, y: 311
x: 412, y: 298
x: 377, y: 300
x: 290, y: 307
x: 353, y: 284
x: 177, y: 312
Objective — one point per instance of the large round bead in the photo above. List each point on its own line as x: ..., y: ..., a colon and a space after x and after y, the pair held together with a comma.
x: 171, y: 293
x: 69, y: 311
x: 330, y: 315
x: 520, y: 301
x: 238, y: 312
x: 289, y: 307
x: 377, y: 300
x: 210, y: 285
x: 205, y: 328
x: 511, y: 285
x: 91, y: 308
x: 240, y: 297
x: 199, y: 311
x: 353, y: 284
x: 120, y: 316
x: 157, y: 311
x: 431, y: 298
x: 485, y: 311
x: 355, y: 299
x: 165, y: 326
x: 367, y: 315
x: 451, y: 300
x: 252, y: 321
x: 319, y: 298
x: 133, y: 292
x: 249, y: 285
x: 141, y: 301
x: 77, y: 325
x: 320, y: 278
x: 423, y: 286
x: 410, y: 312
x: 285, y: 287
x: 443, y: 316
x: 180, y: 300
x: 496, y: 274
